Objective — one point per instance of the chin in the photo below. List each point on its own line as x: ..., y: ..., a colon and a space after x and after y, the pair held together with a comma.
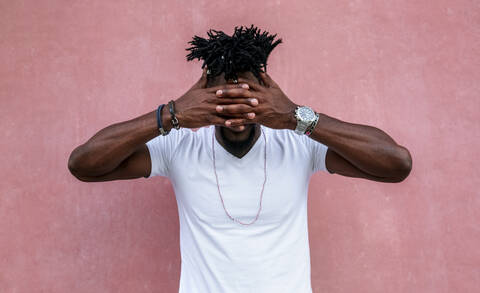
x: 237, y: 135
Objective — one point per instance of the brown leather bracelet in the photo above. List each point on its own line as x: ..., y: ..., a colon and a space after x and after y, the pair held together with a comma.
x: 171, y: 108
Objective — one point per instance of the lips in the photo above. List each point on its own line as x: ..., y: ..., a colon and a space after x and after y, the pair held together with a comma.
x: 238, y: 128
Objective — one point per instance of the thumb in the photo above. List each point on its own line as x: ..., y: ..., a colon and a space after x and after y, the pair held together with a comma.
x: 267, y: 80
x: 202, y: 82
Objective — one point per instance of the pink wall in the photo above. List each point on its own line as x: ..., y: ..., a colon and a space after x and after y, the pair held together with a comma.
x: 70, y: 68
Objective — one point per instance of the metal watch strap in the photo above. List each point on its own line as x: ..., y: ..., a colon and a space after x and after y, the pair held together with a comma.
x: 301, y: 127
x: 171, y: 108
x: 312, y: 126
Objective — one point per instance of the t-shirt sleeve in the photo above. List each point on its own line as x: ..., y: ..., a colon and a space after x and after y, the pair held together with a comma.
x: 318, y: 154
x: 162, y: 149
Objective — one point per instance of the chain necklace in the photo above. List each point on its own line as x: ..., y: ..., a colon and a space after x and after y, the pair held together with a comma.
x: 263, y: 186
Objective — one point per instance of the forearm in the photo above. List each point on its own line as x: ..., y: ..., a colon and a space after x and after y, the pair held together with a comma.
x: 367, y: 148
x: 104, y: 151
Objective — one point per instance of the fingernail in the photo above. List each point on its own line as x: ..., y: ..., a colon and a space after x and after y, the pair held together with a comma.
x: 228, y: 123
x: 251, y: 115
x: 219, y: 108
x: 245, y: 86
x: 219, y: 92
x: 254, y: 102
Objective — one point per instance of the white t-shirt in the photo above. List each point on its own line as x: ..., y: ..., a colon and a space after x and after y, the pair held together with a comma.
x: 218, y: 254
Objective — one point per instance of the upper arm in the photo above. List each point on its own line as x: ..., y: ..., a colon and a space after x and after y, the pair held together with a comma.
x: 151, y: 159
x: 335, y: 163
x: 137, y: 165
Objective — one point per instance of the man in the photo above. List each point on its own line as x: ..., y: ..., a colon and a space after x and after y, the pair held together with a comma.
x: 240, y: 180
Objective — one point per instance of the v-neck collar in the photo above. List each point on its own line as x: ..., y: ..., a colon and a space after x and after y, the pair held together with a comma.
x: 218, y: 145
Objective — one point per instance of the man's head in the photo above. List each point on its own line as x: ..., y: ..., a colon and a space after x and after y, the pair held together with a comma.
x: 244, y: 54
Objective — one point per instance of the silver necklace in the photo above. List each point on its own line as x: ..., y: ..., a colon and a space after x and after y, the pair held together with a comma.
x: 263, y: 186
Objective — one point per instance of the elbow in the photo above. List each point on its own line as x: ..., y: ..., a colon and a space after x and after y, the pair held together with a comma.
x: 74, y: 165
x: 75, y: 168
x: 77, y: 164
x: 84, y: 166
x: 403, y: 165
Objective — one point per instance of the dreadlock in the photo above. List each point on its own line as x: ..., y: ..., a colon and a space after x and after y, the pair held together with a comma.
x: 246, y: 50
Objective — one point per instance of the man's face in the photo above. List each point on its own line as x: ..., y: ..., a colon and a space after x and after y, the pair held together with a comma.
x: 220, y: 80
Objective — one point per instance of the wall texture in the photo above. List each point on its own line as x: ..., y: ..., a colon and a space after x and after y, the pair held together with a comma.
x: 70, y: 68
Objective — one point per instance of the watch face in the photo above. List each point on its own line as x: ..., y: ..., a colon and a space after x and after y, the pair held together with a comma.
x: 306, y: 114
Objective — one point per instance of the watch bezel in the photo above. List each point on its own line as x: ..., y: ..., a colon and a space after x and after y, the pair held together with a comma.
x: 300, y: 116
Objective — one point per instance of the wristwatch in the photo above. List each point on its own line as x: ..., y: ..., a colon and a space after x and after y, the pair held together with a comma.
x: 306, y: 117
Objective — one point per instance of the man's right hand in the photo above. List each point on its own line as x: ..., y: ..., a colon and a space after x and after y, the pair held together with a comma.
x: 119, y: 151
x: 197, y: 107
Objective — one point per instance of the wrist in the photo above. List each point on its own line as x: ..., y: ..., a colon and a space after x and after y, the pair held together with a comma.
x: 173, y: 116
x: 291, y: 120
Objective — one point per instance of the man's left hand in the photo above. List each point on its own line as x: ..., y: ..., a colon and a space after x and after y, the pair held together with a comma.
x: 274, y: 109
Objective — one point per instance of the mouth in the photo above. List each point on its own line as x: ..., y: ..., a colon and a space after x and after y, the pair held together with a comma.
x: 238, y: 128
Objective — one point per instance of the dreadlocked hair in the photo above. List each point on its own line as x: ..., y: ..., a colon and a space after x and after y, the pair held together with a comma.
x: 246, y: 50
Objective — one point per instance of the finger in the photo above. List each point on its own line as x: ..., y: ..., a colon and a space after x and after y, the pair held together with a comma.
x: 235, y: 122
x: 267, y: 80
x: 234, y: 93
x: 226, y: 101
x: 249, y: 116
x: 252, y: 84
x: 217, y: 120
x: 227, y: 86
x: 202, y: 82
x: 234, y: 109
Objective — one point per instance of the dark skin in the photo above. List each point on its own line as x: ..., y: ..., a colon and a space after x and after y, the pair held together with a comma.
x: 354, y: 150
x: 237, y: 110
x: 239, y: 139
x: 119, y: 151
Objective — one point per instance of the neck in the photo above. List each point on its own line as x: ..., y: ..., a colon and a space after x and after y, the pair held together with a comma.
x: 237, y: 143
